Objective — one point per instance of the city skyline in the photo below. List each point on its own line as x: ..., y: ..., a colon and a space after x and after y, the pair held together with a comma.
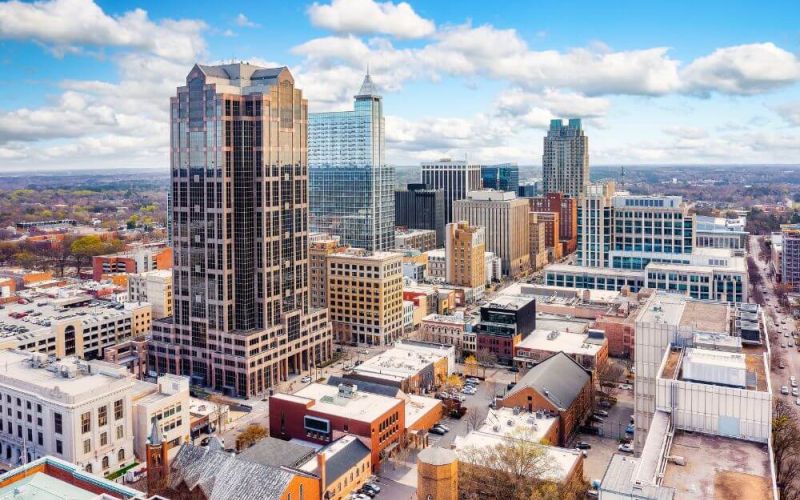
x: 92, y: 88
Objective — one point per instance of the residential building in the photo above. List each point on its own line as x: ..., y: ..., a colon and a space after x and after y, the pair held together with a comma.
x: 154, y: 287
x: 167, y: 403
x: 465, y: 246
x: 505, y: 219
x: 365, y: 296
x: 318, y: 412
x: 790, y: 256
x: 565, y: 161
x: 318, y: 254
x: 73, y: 410
x: 558, y: 385
x: 413, y: 367
x: 416, y: 239
x: 350, y: 187
x: 596, y: 224
x: 437, y: 264
x: 408, y: 316
x: 537, y: 232
x: 51, y: 477
x: 419, y: 207
x: 138, y: 259
x: 588, y: 348
x: 243, y: 318
x: 567, y: 209
x: 503, y: 177
x: 344, y: 466
x: 721, y: 232
x: 504, y: 323
x: 453, y: 329
x: 455, y: 177
x: 552, y: 233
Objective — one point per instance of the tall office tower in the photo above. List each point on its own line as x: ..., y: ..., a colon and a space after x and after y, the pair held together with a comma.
x: 365, y: 296
x: 790, y: 262
x: 242, y: 317
x: 420, y: 208
x: 457, y: 178
x: 624, y: 231
x: 538, y: 237
x: 527, y: 189
x: 595, y: 224
x: 464, y: 255
x: 505, y: 218
x: 502, y: 177
x: 567, y: 209
x: 565, y: 162
x: 351, y: 189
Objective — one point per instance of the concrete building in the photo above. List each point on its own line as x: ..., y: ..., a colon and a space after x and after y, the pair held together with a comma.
x: 437, y: 264
x: 138, y: 259
x: 776, y: 248
x: 504, y: 323
x: 457, y: 178
x: 537, y: 232
x: 415, y: 239
x: 415, y: 265
x: 411, y: 366
x: 589, y: 348
x: 529, y: 188
x: 790, y: 256
x: 154, y: 287
x: 721, y: 232
x: 350, y: 187
x: 243, y: 315
x: 365, y: 296
x: 318, y: 254
x: 565, y: 161
x: 453, y: 329
x: 502, y: 177
x: 73, y: 410
x: 552, y: 233
x: 567, y: 210
x: 166, y: 401
x: 465, y: 246
x: 505, y: 219
x: 421, y: 208
x: 494, y: 267
x: 131, y: 354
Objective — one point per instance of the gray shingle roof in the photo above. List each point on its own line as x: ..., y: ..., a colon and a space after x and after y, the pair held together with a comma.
x: 371, y: 387
x: 558, y: 378
x: 344, y: 460
x: 277, y: 452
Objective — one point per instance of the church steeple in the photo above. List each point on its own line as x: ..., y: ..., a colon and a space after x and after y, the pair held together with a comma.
x: 157, y: 451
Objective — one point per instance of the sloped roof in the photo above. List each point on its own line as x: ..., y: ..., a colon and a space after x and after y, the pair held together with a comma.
x: 243, y: 71
x: 368, y: 88
x: 344, y: 460
x: 558, y: 378
x: 222, y: 476
x: 277, y: 452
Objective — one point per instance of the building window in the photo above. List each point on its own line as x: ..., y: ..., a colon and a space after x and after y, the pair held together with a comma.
x: 40, y: 439
x: 59, y: 447
x: 89, y: 468
x: 121, y: 456
x: 87, y: 446
x: 103, y: 438
x: 102, y: 415
x: 105, y: 462
x: 58, y: 423
x: 117, y: 409
x: 120, y: 432
x: 86, y: 422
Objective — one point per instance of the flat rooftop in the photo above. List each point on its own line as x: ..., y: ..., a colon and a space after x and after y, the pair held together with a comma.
x: 555, y: 341
x: 561, y: 323
x: 511, y: 302
x: 362, y: 406
x: 360, y: 254
x: 680, y: 310
x: 561, y: 295
x: 594, y: 271
x: 404, y: 360
x: 718, y: 468
x: 447, y: 318
x: 419, y: 406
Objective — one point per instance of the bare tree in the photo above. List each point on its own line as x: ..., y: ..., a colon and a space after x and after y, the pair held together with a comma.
x: 252, y: 434
x: 786, y: 448
x: 486, y: 357
x: 474, y: 419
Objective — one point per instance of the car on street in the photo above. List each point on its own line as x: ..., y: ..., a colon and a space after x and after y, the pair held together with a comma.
x: 582, y: 452
x: 786, y: 334
x: 797, y: 402
x: 784, y: 390
x: 446, y: 428
x: 473, y: 380
x: 625, y: 448
x: 601, y: 413
x: 370, y: 489
x: 437, y: 430
x: 795, y: 392
x: 469, y: 391
x: 598, y: 419
x: 783, y: 345
x: 626, y: 387
x: 781, y: 365
x: 359, y: 496
x: 629, y: 429
x: 583, y: 445
x: 305, y: 379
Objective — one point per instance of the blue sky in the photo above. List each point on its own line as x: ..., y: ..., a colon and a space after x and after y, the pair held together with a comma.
x: 87, y: 84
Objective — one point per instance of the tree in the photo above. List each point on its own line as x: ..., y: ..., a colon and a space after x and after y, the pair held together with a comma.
x: 486, y: 357
x: 786, y: 449
x: 86, y: 247
x: 474, y: 419
x: 453, y: 383
x: 471, y: 366
x: 61, y: 253
x: 249, y: 436
x: 510, y: 469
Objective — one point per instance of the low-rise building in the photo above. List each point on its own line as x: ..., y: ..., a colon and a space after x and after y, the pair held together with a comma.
x: 343, y: 467
x: 131, y: 354
x: 154, y: 287
x: 505, y: 321
x: 166, y: 401
x: 720, y: 232
x: 437, y: 264
x: 452, y: 329
x: 415, y: 239
x: 138, y: 259
x: 589, y: 349
x: 413, y: 367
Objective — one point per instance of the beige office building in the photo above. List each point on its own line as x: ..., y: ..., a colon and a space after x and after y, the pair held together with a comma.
x: 537, y: 231
x: 365, y: 296
x: 465, y: 247
x: 318, y: 254
x: 154, y: 287
x: 505, y: 218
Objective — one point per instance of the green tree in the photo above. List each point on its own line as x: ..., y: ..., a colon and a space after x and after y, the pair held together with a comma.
x: 86, y: 247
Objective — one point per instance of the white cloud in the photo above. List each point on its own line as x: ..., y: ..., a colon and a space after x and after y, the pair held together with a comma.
x: 742, y: 69
x: 368, y: 16
x: 684, y: 132
x: 789, y: 111
x: 244, y: 22
x: 67, y: 25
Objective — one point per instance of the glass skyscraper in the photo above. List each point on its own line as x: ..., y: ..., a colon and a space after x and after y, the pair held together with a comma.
x: 351, y: 189
x: 503, y: 177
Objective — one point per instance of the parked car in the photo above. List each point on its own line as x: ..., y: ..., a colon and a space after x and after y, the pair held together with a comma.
x: 781, y: 365
x: 437, y: 430
x: 372, y: 486
x: 784, y: 390
x: 629, y: 429
x: 795, y: 392
x: 604, y: 404
x: 582, y: 452
x: 601, y: 413
x: 305, y: 379
x: 583, y: 445
x: 626, y: 387
x: 797, y: 402
x: 793, y: 383
x: 625, y: 448
x: 446, y: 429
x: 473, y: 380
x: 597, y: 418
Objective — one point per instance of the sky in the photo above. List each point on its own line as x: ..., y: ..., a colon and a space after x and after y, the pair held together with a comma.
x: 86, y: 84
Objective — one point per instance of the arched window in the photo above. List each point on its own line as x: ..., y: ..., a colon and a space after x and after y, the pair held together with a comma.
x: 121, y: 456
x: 89, y: 468
x: 105, y: 462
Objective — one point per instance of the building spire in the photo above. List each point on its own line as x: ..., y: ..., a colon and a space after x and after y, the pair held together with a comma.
x: 155, y: 436
x: 368, y: 87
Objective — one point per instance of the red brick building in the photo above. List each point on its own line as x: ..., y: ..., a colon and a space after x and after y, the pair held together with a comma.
x: 557, y: 385
x: 567, y: 210
x: 137, y: 260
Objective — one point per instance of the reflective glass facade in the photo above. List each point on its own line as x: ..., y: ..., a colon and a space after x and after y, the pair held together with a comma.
x: 351, y: 189
x: 504, y: 177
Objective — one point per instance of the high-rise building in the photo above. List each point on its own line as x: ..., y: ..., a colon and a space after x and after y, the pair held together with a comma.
x: 595, y: 224
x: 528, y: 189
x: 538, y: 237
x: 552, y: 231
x: 351, y: 189
x: 503, y: 177
x: 318, y: 254
x: 505, y: 218
x: 455, y: 177
x: 420, y: 208
x: 365, y: 296
x: 242, y: 316
x: 790, y: 262
x: 567, y: 209
x: 565, y: 162
x: 464, y: 249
